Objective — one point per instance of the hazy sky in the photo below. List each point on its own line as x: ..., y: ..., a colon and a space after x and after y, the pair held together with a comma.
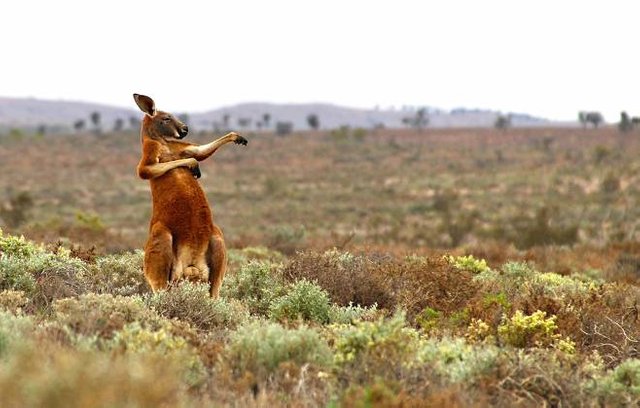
x: 547, y: 58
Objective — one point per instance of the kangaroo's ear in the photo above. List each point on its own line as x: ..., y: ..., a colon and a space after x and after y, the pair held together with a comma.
x: 145, y: 104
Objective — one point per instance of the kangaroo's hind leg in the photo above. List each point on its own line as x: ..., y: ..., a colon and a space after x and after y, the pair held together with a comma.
x: 158, y: 257
x: 217, y: 260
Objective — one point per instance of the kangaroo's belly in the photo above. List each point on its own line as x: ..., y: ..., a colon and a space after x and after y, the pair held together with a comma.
x: 180, y: 205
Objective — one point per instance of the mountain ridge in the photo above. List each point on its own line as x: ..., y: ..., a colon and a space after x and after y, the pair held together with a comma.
x: 61, y: 114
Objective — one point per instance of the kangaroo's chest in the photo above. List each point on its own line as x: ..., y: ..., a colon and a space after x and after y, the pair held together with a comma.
x: 166, y: 154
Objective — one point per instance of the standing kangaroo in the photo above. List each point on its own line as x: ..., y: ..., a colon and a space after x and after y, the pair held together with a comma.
x: 183, y: 240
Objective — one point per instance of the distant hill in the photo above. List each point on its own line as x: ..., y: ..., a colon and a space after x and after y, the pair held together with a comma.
x: 60, y: 115
x: 30, y: 112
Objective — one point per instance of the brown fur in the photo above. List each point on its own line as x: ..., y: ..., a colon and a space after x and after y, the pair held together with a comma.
x: 183, y: 242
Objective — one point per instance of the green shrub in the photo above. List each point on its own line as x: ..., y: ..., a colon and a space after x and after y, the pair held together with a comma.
x: 258, y: 253
x: 102, y: 315
x: 191, y: 303
x: 117, y: 275
x: 15, y: 274
x: 428, y: 318
x: 620, y: 386
x: 14, y: 330
x: 256, y: 284
x: 286, y: 239
x: 353, y: 313
x: 64, y: 378
x: 532, y: 330
x: 456, y: 360
x: 303, y: 300
x: 375, y: 344
x: 136, y: 339
x: 469, y: 263
x: 260, y: 347
x: 43, y: 276
x: 17, y: 246
x: 349, y: 279
x: 13, y: 301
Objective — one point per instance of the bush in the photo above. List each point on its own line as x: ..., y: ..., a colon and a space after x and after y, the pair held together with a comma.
x: 469, y: 263
x: 260, y: 347
x: 348, y: 279
x: 12, y: 301
x: 620, y: 386
x: 533, y: 330
x: 256, y: 284
x: 456, y: 360
x: 13, y: 330
x: 63, y: 378
x: 15, y: 274
x: 118, y: 275
x: 353, y: 313
x: 102, y: 315
x: 377, y: 346
x: 304, y: 300
x: 191, y: 303
x: 286, y: 239
x: 17, y: 246
x: 43, y: 276
x: 136, y: 339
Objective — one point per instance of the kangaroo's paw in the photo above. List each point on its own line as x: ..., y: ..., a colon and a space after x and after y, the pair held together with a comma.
x: 196, y: 172
x: 240, y: 140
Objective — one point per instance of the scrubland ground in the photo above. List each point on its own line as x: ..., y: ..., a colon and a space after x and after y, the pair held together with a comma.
x: 442, y: 268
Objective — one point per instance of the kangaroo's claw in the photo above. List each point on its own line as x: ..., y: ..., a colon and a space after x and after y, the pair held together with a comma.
x: 241, y: 141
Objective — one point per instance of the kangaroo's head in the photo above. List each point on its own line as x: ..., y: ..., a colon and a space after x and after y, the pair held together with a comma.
x: 159, y: 124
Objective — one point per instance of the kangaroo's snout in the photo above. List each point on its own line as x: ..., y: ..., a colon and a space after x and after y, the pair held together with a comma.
x: 183, y: 131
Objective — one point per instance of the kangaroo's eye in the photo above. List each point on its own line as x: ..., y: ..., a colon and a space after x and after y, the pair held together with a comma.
x: 166, y: 120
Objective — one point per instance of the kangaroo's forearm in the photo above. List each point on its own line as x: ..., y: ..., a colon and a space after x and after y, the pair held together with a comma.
x: 206, y: 150
x: 151, y: 171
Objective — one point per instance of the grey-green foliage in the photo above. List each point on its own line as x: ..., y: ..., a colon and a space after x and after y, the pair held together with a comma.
x: 13, y: 330
x: 191, y: 303
x: 455, y: 359
x: 303, y: 300
x: 101, y: 315
x: 256, y: 284
x: 620, y: 386
x: 260, y: 347
x: 118, y: 274
x: 353, y: 313
x: 23, y: 263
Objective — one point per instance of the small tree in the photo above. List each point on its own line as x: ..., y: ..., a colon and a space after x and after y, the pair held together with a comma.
x: 625, y: 123
x: 118, y: 125
x: 502, y: 122
x: 582, y: 117
x: 244, y: 122
x: 265, y: 119
x: 79, y: 125
x: 284, y: 128
x: 134, y: 122
x: 313, y: 121
x: 595, y: 118
x: 421, y: 119
x: 41, y: 129
x: 225, y: 120
x: 95, y: 119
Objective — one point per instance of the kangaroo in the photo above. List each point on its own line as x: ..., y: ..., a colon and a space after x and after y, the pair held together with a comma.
x: 183, y: 242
